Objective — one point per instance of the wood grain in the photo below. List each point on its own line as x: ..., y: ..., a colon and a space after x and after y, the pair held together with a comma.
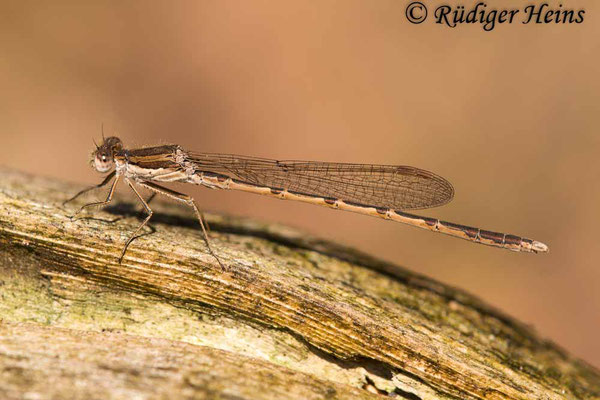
x: 286, y: 301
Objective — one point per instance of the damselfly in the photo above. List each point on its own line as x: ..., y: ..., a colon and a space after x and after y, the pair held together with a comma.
x: 384, y: 191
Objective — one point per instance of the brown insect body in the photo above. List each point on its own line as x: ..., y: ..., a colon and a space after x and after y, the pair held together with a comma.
x: 382, y: 191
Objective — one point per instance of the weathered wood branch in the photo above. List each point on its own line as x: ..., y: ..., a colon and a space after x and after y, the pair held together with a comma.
x: 55, y: 359
x: 296, y: 314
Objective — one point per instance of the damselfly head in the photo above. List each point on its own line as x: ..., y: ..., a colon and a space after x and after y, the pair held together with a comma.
x: 103, y: 158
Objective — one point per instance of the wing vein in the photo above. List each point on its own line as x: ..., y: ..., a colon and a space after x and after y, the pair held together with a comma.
x: 388, y: 186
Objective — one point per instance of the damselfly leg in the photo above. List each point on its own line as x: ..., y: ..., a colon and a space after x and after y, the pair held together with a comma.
x: 100, y: 203
x: 153, y: 195
x: 184, y: 198
x: 155, y: 189
x: 101, y: 184
x: 134, y: 234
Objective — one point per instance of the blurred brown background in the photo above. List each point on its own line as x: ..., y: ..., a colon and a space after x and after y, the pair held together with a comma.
x: 510, y: 117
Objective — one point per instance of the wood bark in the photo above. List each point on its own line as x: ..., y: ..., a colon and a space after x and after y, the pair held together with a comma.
x: 291, y: 316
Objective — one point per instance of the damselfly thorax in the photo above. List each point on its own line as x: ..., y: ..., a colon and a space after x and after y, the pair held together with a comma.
x: 383, y: 191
